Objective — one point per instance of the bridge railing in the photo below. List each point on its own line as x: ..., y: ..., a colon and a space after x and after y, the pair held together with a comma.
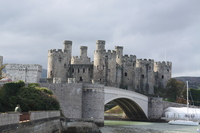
x: 13, y: 117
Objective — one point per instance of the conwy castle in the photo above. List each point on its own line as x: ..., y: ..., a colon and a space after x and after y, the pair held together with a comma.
x: 110, y: 68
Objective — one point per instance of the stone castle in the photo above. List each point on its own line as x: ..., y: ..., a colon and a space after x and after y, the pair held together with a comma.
x: 110, y: 68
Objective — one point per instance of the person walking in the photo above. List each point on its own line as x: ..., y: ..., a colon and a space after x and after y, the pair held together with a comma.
x: 18, y: 109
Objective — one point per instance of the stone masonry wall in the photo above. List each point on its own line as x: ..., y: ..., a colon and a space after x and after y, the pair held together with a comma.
x: 93, y: 103
x: 157, y: 106
x: 69, y: 97
x: 30, y: 73
x: 9, y: 118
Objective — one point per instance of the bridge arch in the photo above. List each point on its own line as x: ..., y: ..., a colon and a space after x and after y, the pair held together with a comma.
x: 134, y: 105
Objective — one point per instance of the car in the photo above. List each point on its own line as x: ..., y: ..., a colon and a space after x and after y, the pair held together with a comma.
x: 6, y: 79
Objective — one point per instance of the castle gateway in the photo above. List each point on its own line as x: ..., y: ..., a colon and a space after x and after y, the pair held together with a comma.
x: 110, y: 68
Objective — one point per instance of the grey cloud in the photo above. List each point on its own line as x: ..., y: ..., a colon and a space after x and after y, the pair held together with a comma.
x: 147, y: 29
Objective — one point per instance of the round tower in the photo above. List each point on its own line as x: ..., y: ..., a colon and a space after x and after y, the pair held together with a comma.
x: 58, y: 63
x: 99, y: 69
x: 83, y: 52
x: 119, y: 55
x: 67, y: 47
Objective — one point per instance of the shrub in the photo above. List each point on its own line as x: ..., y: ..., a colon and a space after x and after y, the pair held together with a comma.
x: 30, y: 98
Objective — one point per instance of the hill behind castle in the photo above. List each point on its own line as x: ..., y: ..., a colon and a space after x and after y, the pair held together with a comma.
x: 193, y: 82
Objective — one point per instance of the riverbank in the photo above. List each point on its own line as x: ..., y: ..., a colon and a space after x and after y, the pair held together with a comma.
x: 145, y: 127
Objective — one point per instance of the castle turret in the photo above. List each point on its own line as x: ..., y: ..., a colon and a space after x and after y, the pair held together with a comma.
x: 99, y: 70
x: 58, y: 63
x: 119, y: 65
x: 119, y: 55
x: 162, y: 73
x: 83, y: 52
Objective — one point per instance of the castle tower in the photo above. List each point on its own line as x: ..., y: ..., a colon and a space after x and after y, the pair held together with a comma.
x: 128, y: 75
x: 162, y: 73
x: 99, y: 70
x: 83, y: 51
x: 58, y: 63
x: 119, y: 65
x: 119, y: 55
x: 111, y: 68
x: 145, y: 76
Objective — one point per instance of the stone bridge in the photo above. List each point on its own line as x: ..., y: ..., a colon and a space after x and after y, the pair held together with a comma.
x: 134, y: 105
x: 78, y: 100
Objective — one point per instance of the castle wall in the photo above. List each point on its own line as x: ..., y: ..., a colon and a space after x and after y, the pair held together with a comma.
x: 128, y: 76
x: 82, y: 73
x: 69, y: 97
x: 118, y: 76
x: 145, y: 74
x: 30, y: 73
x: 111, y: 68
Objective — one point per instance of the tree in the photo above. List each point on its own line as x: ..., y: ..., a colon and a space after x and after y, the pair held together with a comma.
x: 1, y: 68
x: 174, y: 89
x: 31, y: 98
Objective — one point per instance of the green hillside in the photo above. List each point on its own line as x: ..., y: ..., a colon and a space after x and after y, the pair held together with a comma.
x: 193, y: 82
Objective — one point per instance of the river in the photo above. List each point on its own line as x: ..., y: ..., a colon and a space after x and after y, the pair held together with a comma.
x: 145, y: 127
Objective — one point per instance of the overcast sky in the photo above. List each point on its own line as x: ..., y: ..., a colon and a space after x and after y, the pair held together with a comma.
x: 152, y: 29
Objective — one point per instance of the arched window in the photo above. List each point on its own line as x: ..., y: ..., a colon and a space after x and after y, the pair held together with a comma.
x: 83, y: 70
x: 78, y: 70
x: 162, y: 76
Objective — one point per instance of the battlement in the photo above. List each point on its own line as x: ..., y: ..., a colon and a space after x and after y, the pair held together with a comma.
x: 67, y: 42
x: 24, y: 67
x: 80, y: 60
x: 145, y: 61
x: 163, y: 63
x: 119, y: 47
x: 129, y: 58
x: 111, y: 54
x: 100, y: 45
x: 83, y: 51
x: 56, y: 51
x: 100, y: 42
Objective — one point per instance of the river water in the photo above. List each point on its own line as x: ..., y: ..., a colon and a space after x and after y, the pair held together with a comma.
x: 145, y: 127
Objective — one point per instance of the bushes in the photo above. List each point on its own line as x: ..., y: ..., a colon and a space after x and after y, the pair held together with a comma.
x: 31, y: 98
